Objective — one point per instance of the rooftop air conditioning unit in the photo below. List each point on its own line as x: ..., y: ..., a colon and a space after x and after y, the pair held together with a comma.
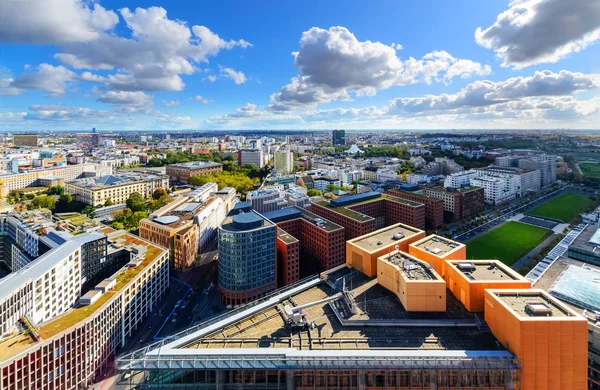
x: 465, y: 266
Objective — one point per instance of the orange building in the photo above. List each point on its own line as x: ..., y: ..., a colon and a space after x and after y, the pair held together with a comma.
x: 549, y: 338
x: 435, y: 249
x: 362, y: 252
x: 415, y: 283
x: 468, y: 280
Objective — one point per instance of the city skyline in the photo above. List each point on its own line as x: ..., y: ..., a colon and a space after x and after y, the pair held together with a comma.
x: 119, y: 65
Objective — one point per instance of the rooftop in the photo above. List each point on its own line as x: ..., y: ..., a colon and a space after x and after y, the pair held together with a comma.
x: 245, y: 222
x: 488, y: 270
x: 385, y: 237
x: 528, y: 303
x: 410, y: 267
x: 289, y: 213
x: 583, y: 239
x: 437, y: 245
x: 285, y: 237
x: 196, y: 165
x: 113, y: 180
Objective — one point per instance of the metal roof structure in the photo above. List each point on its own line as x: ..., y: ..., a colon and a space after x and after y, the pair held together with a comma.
x: 579, y: 286
x: 167, y: 219
x: 347, y: 200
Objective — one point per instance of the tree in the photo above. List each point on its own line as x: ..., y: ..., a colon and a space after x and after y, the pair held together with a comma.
x: 65, y: 199
x: 158, y: 193
x: 313, y: 192
x: 136, y: 202
x: 108, y: 202
x: 117, y: 225
x: 330, y: 187
x: 44, y: 201
x: 134, y: 221
x: 56, y: 190
x: 90, y: 211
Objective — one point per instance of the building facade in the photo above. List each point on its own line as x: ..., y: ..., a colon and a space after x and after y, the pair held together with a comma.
x: 283, y: 160
x: 182, y: 172
x: 434, y: 208
x: 30, y: 140
x: 251, y: 156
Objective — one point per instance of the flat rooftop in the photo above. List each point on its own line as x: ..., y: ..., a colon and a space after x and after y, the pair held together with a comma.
x: 521, y: 301
x: 285, y: 237
x: 245, y: 222
x: 385, y: 237
x: 412, y: 268
x: 196, y: 165
x: 295, y: 212
x: 336, y: 328
x: 437, y: 245
x: 486, y: 270
x: 582, y: 240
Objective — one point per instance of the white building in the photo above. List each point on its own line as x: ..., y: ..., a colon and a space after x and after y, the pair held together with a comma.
x: 251, y: 156
x: 545, y: 163
x: 528, y: 180
x: 496, y: 189
x: 284, y: 160
x: 388, y: 175
x: 460, y: 178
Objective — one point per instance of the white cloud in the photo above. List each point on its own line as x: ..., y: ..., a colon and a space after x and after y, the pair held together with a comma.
x: 237, y: 76
x: 130, y: 102
x: 334, y: 63
x: 53, y: 79
x: 536, y: 31
x: 7, y: 90
x: 53, y: 21
x: 170, y: 121
x: 200, y: 99
x: 169, y: 103
x: 211, y: 78
x: 249, y: 116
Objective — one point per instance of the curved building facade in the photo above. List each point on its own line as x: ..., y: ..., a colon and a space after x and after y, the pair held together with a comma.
x: 247, y: 262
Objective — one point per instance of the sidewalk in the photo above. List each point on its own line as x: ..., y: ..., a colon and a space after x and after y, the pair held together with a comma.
x: 522, y: 262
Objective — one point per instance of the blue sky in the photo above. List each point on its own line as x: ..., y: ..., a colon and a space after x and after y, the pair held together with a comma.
x: 365, y: 65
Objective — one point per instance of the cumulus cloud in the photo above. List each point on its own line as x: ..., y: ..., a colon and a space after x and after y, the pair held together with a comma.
x: 249, y: 115
x: 537, y: 31
x: 169, y: 121
x: 130, y: 102
x: 200, y: 99
x: 7, y: 90
x: 169, y: 103
x: 333, y: 64
x: 53, y: 21
x: 52, y: 79
x: 237, y: 76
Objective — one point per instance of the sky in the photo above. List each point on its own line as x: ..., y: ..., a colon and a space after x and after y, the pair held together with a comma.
x: 310, y: 64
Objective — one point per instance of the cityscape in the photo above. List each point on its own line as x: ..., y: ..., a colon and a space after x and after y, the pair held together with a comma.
x: 393, y: 217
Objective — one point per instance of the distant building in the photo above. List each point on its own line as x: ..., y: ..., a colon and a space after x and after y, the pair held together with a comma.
x: 545, y: 163
x: 434, y: 208
x: 251, y: 156
x: 88, y: 141
x: 183, y: 171
x: 268, y: 199
x: 459, y: 203
x: 460, y: 178
x: 442, y: 166
x: 25, y: 140
x: 496, y: 189
x: 338, y: 137
x: 284, y: 161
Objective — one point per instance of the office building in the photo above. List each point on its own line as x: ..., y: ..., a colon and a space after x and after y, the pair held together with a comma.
x: 399, y: 329
x: 546, y: 165
x: 268, y: 199
x: 284, y: 161
x: 497, y: 189
x: 459, y: 203
x: 251, y: 156
x: 362, y: 252
x: 338, y: 137
x: 11, y: 182
x: 30, y: 140
x: 247, y: 256
x: 68, y: 337
x: 96, y: 191
x: 87, y: 142
x: 366, y: 212
x: 434, y: 208
x: 319, y: 243
x: 527, y: 180
x: 183, y: 171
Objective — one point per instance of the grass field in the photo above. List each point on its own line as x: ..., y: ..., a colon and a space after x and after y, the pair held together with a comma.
x: 590, y: 169
x: 507, y: 243
x: 564, y: 207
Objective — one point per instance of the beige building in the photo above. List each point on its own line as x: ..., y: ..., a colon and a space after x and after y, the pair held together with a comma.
x: 96, y: 191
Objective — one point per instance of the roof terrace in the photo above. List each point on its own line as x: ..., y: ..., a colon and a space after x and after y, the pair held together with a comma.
x: 384, y: 237
x: 488, y: 270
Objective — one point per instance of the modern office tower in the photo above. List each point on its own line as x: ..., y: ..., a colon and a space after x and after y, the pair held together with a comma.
x: 545, y: 163
x: 88, y: 141
x: 265, y: 200
x: 251, y: 156
x: 364, y: 213
x: 527, y: 180
x: 320, y: 243
x: 284, y: 160
x: 25, y: 140
x: 434, y: 208
x: 459, y: 203
x: 11, y: 182
x: 247, y: 256
x: 497, y: 189
x: 362, y: 252
x: 338, y: 137
x: 183, y: 171
x: 96, y: 191
x: 61, y: 334
x: 399, y: 329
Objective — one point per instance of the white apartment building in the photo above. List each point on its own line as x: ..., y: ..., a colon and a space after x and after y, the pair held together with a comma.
x: 251, y: 156
x: 528, y: 180
x: 321, y: 182
x: 545, y: 163
x: 265, y: 200
x: 460, y: 178
x: 388, y: 175
x: 296, y: 196
x: 496, y: 189
x: 284, y: 160
x: 347, y: 176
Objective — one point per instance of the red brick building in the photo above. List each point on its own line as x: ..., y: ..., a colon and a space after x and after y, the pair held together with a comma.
x: 434, y: 208
x: 460, y: 203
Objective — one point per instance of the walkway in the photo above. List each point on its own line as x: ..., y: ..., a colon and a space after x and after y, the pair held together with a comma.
x: 522, y: 262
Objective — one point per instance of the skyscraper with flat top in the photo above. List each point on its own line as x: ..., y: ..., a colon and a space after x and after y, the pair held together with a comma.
x: 338, y: 137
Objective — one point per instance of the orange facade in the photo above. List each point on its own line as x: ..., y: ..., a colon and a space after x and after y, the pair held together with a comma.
x: 366, y: 261
x: 471, y: 292
x: 552, y: 350
x: 437, y: 261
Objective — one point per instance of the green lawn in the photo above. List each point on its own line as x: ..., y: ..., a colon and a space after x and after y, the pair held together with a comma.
x: 590, y: 169
x: 565, y: 207
x: 507, y: 243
